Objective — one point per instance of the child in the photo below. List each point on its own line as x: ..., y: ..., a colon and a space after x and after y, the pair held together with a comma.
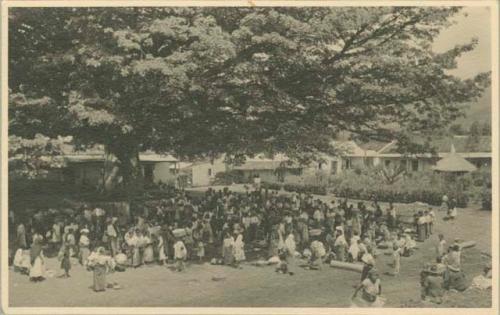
x: 283, y: 265
x: 84, y: 244
x: 69, y: 239
x: 396, y: 258
x: 64, y: 256
x: 441, y: 247
x: 200, y: 250
x: 180, y: 254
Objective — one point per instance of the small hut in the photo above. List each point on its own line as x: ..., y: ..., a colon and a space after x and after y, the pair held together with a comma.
x: 454, y: 163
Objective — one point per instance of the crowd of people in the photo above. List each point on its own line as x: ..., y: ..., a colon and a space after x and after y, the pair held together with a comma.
x: 221, y: 227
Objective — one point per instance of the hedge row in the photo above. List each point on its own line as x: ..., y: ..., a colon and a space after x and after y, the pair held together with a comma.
x: 432, y: 197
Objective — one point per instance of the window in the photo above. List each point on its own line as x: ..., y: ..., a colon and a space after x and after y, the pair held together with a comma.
x: 320, y: 166
x: 209, y: 172
x: 368, y: 161
x: 387, y: 163
x: 333, y: 170
x: 347, y: 164
x: 296, y: 171
x: 414, y: 165
x: 148, y: 172
x: 402, y: 164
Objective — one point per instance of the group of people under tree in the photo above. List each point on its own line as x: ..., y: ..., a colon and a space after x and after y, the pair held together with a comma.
x: 220, y: 226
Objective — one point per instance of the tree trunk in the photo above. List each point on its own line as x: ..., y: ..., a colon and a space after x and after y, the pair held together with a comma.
x: 131, y: 172
x: 122, y: 169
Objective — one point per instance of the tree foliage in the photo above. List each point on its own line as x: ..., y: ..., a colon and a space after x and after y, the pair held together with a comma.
x: 206, y: 81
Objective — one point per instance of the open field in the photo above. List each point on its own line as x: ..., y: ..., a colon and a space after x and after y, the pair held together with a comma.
x: 261, y: 286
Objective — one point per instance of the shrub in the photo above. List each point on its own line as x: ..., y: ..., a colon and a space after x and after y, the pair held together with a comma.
x: 425, y: 187
x: 229, y: 177
x: 486, y: 200
x: 272, y: 186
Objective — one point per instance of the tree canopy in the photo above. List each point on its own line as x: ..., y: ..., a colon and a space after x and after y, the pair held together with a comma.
x: 198, y: 82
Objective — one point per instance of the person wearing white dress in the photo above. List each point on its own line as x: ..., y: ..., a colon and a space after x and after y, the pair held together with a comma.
x: 239, y: 249
x: 37, y: 259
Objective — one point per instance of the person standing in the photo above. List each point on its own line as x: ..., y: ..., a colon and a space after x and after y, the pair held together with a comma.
x: 441, y: 246
x: 21, y: 240
x: 432, y: 218
x: 112, y: 236
x: 180, y: 254
x: 37, y: 259
x: 64, y: 257
x: 340, y: 245
x: 396, y: 258
x: 227, y: 249
x: 84, y: 244
x: 239, y: 250
x: 453, y: 209
x: 421, y: 227
x: 100, y: 264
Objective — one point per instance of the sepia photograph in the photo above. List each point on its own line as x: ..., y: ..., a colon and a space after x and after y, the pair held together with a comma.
x: 272, y: 155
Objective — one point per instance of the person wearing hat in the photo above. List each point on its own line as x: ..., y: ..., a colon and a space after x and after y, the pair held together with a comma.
x: 83, y: 245
x: 432, y: 285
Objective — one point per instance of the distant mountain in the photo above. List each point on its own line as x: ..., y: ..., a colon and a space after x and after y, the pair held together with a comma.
x: 478, y: 111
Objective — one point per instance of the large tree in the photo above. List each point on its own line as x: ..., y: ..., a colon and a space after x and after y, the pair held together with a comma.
x: 206, y: 81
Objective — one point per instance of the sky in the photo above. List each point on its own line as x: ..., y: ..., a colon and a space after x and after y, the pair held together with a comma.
x: 471, y: 22
x: 476, y: 23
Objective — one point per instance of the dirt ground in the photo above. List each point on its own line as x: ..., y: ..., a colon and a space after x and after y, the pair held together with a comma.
x: 207, y: 285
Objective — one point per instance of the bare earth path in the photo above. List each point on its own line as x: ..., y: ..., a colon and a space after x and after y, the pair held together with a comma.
x: 261, y: 286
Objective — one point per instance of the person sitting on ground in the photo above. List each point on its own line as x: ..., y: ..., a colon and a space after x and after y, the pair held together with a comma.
x: 483, y: 281
x: 409, y: 245
x: 432, y: 285
x: 441, y: 268
x: 371, y: 291
x: 22, y: 261
x: 454, y: 279
x: 282, y: 266
x: 317, y: 253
